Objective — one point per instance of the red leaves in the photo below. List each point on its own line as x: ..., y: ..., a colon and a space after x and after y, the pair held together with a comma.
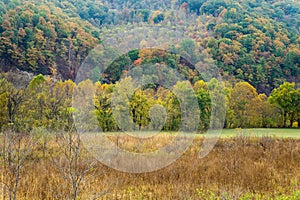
x: 184, y: 5
x: 138, y: 62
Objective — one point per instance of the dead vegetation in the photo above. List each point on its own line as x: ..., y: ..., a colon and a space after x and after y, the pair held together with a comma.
x: 238, y: 168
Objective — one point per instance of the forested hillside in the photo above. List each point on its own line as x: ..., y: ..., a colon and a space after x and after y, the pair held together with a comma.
x: 252, y: 40
x: 41, y: 38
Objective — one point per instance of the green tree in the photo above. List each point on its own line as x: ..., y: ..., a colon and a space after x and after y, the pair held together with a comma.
x: 188, y: 101
x: 172, y: 105
x: 103, y: 107
x: 204, y: 101
x: 286, y: 99
x: 3, y: 103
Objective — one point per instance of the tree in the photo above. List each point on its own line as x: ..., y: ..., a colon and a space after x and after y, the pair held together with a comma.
x: 140, y: 105
x: 204, y: 102
x: 189, y: 106
x: 217, y: 103
x: 242, y: 100
x: 103, y: 107
x: 172, y: 105
x: 286, y: 99
x: 3, y: 103
x: 49, y: 103
x: 120, y: 104
x: 14, y: 151
x: 13, y: 106
x: 270, y: 117
x: 73, y: 164
x: 16, y: 142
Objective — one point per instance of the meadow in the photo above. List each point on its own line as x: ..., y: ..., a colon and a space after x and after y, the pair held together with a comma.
x: 230, y: 133
x: 244, y: 164
x: 260, y: 132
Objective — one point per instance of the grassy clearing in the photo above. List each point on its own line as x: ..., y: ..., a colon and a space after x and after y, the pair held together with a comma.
x: 230, y: 133
x: 260, y: 132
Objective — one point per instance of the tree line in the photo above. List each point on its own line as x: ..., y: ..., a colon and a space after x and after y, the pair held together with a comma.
x: 47, y: 103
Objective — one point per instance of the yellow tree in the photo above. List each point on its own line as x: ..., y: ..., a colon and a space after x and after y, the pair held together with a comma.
x: 140, y: 105
x: 242, y: 99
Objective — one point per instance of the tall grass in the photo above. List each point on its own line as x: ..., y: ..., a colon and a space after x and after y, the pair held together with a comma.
x: 243, y: 167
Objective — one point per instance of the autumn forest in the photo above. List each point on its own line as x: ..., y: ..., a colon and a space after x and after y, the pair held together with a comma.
x: 238, y: 60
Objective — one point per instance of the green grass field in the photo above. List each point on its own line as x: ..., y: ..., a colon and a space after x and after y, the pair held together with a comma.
x: 259, y: 132
x: 229, y: 133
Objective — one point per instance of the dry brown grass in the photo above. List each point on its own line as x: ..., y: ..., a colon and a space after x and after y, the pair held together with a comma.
x: 237, y: 168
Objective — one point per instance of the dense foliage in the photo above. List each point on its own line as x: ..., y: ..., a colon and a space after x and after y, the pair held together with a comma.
x: 251, y: 40
x: 40, y: 38
x: 254, y: 43
x: 48, y: 104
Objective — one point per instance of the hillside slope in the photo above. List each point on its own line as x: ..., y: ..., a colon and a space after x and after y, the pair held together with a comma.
x: 253, y: 40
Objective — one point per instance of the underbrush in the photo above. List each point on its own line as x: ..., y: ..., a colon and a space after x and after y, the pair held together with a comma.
x: 243, y: 168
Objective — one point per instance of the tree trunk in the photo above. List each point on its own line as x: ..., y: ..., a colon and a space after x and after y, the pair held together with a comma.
x: 291, y: 123
x: 284, y: 119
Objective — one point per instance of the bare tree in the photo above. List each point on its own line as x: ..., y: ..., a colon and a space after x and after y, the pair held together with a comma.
x: 14, y: 150
x: 74, y: 164
x: 15, y: 142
